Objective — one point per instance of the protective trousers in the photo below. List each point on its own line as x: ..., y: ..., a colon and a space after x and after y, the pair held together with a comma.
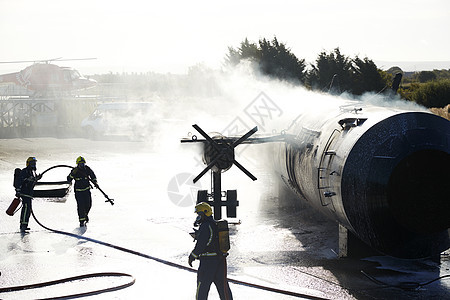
x: 84, y: 203
x: 25, y: 212
x: 212, y: 269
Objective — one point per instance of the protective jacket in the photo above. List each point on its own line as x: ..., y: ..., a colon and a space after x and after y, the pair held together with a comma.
x: 81, y: 177
x: 207, y: 239
x: 27, y: 181
x: 212, y: 266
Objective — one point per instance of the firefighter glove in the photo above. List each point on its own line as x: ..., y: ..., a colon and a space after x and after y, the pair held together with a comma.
x: 190, y: 260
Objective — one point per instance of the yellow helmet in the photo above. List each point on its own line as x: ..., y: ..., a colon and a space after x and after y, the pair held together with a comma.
x: 81, y: 160
x: 203, y: 207
x: 31, y: 159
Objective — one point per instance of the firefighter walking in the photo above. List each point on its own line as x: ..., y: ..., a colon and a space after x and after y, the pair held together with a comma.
x: 24, y: 189
x: 212, y: 266
x: 82, y: 174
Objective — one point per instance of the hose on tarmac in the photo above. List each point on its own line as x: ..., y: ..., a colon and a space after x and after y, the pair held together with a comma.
x: 165, y: 262
x: 80, y: 277
x: 159, y: 260
x: 408, y: 286
x: 178, y: 266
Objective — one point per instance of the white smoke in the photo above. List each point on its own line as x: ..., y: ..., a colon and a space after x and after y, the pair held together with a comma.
x: 236, y: 93
x: 242, y: 98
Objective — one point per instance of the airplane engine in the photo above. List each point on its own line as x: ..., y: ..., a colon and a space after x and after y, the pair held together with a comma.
x: 381, y: 173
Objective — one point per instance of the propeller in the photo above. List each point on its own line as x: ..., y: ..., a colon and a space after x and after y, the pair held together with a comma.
x: 224, y: 150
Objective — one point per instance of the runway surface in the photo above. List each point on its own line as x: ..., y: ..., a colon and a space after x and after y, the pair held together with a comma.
x: 283, y: 247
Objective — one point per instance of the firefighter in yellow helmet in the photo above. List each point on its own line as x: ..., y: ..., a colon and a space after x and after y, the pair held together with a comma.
x: 24, y: 190
x: 82, y: 174
x: 212, y: 262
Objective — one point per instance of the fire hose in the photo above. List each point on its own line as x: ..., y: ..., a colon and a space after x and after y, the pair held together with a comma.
x: 159, y: 260
x: 80, y: 277
x: 74, y: 278
x: 175, y: 265
x: 90, y: 180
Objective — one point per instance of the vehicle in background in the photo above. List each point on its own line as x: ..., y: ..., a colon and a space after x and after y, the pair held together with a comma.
x: 133, y: 120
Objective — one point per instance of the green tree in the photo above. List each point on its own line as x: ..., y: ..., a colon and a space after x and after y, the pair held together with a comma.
x: 366, y: 77
x: 332, y: 72
x: 278, y: 61
x: 249, y: 50
x: 272, y: 57
x: 246, y: 51
x: 432, y: 94
x: 337, y: 73
x: 442, y: 74
x: 232, y: 58
x: 425, y: 76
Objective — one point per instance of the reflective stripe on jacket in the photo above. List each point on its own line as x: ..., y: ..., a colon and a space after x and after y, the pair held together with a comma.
x: 81, y: 177
x: 27, y: 181
x: 207, y: 239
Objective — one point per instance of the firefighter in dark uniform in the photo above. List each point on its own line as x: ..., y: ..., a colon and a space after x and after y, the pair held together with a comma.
x: 27, y: 181
x: 212, y: 262
x: 82, y: 174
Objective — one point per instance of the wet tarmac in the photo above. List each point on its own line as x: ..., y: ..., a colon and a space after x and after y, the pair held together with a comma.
x: 275, y: 245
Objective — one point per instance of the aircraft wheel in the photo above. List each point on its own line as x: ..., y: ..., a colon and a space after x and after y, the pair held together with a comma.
x: 232, y: 203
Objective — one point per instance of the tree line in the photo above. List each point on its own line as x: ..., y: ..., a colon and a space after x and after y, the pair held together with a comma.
x: 336, y: 73
x: 332, y: 72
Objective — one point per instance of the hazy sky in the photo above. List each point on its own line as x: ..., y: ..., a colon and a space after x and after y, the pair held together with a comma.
x: 171, y: 35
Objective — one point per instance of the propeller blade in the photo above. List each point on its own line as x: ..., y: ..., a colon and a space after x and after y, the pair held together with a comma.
x: 207, y: 137
x: 45, y: 60
x: 211, y: 164
x: 68, y: 59
x: 245, y: 170
x: 221, y: 152
x: 17, y: 62
x: 245, y: 136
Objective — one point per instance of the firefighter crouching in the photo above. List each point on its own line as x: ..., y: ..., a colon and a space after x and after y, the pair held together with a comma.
x: 81, y: 174
x: 212, y: 260
x: 27, y: 179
